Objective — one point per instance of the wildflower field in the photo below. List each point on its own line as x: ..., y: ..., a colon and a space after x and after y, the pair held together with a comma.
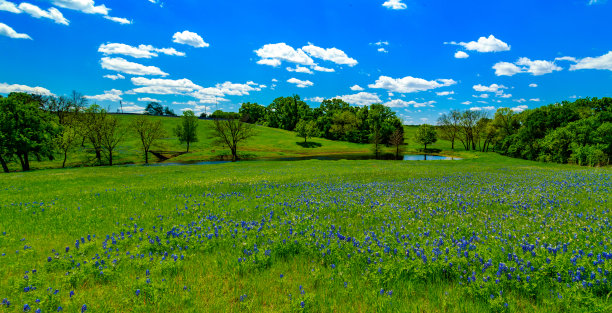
x: 477, y: 235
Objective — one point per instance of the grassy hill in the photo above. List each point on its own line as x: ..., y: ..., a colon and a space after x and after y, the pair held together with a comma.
x: 269, y: 143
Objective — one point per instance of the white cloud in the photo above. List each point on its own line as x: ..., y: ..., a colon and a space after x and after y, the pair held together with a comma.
x: 484, y: 96
x: 356, y: 88
x: 9, y: 7
x: 6, y: 89
x: 7, y: 31
x: 394, y: 5
x: 300, y: 69
x: 362, y: 98
x: 445, y: 93
x: 538, y: 67
x: 603, y: 62
x: 383, y: 50
x: 520, y: 100
x: 381, y: 43
x: 398, y: 103
x: 461, y: 55
x: 89, y: 7
x: 409, y: 84
x: 570, y: 59
x: 493, y: 88
x: 535, y: 67
x: 147, y: 99
x: 535, y: 100
x: 533, y: 85
x: 114, y: 77
x: 467, y: 102
x: 142, y: 51
x: 133, y: 109
x: 300, y: 83
x: 520, y: 108
x: 484, y: 44
x: 487, y: 108
x: 190, y: 38
x: 120, y: 20
x: 274, y: 54
x: 323, y: 69
x: 504, y: 95
x: 36, y: 12
x: 315, y: 99
x: 127, y: 67
x: 332, y: 54
x: 108, y: 95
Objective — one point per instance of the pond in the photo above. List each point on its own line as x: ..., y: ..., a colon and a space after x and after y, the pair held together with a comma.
x: 407, y: 157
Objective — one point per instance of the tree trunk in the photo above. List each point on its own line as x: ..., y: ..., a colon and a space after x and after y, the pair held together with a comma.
x: 187, y: 146
x: 110, y: 158
x: 234, y: 155
x: 146, y: 157
x: 99, y: 156
x: 4, y: 165
x: 65, y: 157
x: 425, y: 148
x: 26, y: 162
x: 453, y: 143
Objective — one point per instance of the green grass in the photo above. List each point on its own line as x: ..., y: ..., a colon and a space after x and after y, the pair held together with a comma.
x: 268, y: 144
x: 48, y: 210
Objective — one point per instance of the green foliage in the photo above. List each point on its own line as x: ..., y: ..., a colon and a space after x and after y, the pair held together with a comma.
x: 426, y: 135
x: 186, y: 131
x: 253, y: 113
x: 306, y: 129
x: 286, y: 112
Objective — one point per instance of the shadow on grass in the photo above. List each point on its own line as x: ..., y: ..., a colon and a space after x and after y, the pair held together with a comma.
x: 309, y: 144
x: 429, y: 150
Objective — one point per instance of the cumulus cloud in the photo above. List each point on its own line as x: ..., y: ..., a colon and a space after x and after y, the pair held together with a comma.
x: 493, y: 88
x: 9, y: 7
x: 331, y: 54
x: 409, y: 84
x: 525, y: 65
x: 190, y: 38
x: 6, y: 89
x: 394, y: 5
x: 275, y: 54
x: 108, y: 95
x: 461, y: 55
x: 124, y: 66
x: 467, y: 102
x: 147, y: 99
x: 89, y: 7
x: 142, y: 51
x: 362, y: 98
x: 445, y: 93
x: 484, y: 44
x: 300, y: 69
x: 399, y: 103
x: 315, y: 99
x: 36, y: 12
x: 356, y: 88
x: 603, y: 62
x: 7, y: 31
x: 133, y: 109
x: 533, y: 85
x: 487, y: 108
x: 519, y: 108
x: 300, y: 83
x: 114, y: 77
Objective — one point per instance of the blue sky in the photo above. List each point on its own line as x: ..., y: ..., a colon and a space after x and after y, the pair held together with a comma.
x: 421, y: 57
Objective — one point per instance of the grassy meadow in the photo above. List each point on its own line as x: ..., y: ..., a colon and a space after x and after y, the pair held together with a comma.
x: 269, y: 143
x: 483, y: 234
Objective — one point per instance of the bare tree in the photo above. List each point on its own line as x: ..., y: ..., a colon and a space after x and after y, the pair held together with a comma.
x: 111, y: 135
x: 148, y: 131
x: 91, y: 124
x: 449, y: 126
x: 230, y: 132
x: 376, y: 139
x: 397, y: 140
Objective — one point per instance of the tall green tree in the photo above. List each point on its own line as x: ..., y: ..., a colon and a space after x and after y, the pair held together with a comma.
x: 426, y: 135
x: 27, y: 130
x: 253, y: 113
x: 186, y: 130
x: 148, y: 131
x: 286, y: 112
x: 306, y: 129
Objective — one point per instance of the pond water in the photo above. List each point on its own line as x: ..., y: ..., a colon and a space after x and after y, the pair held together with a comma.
x: 407, y: 157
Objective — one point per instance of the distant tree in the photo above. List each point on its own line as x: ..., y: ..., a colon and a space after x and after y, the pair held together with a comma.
x: 26, y: 130
x: 186, y: 130
x: 286, y: 112
x: 343, y: 123
x: 449, y: 126
x: 397, y: 140
x: 307, y: 129
x: 203, y: 115
x: 148, y: 131
x: 426, y: 135
x: 230, y: 133
x: 67, y: 140
x: 253, y: 113
x: 154, y: 108
x: 91, y: 124
x: 112, y: 135
x: 377, y: 141
x: 169, y: 112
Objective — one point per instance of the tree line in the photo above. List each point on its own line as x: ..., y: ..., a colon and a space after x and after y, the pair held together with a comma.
x: 42, y: 127
x: 578, y: 132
